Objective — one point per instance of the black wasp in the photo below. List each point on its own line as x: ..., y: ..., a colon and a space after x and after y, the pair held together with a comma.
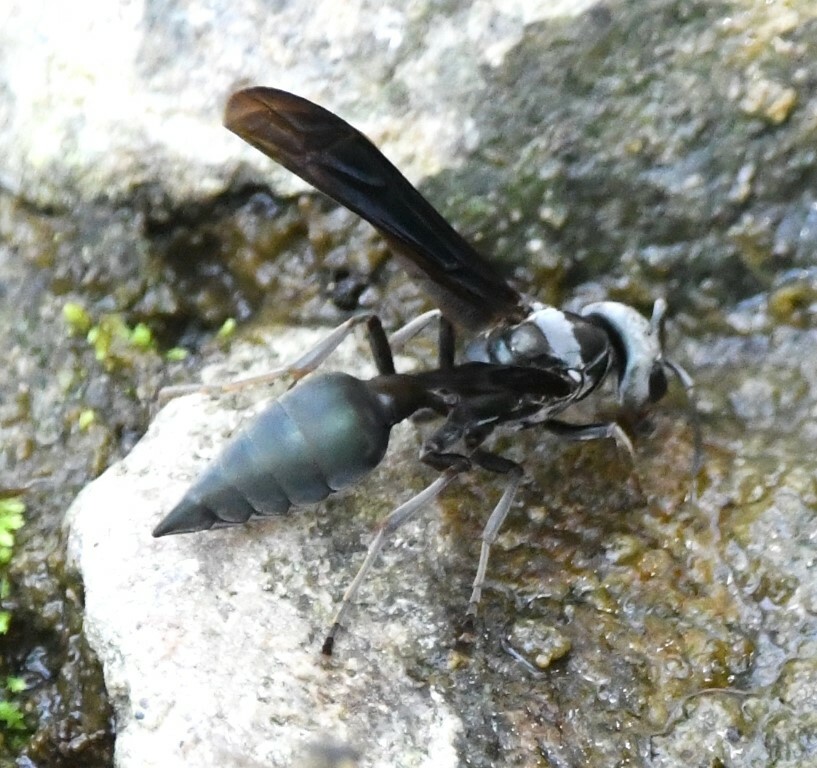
x: 525, y: 364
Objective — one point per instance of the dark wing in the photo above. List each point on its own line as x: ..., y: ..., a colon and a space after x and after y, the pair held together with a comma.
x: 341, y: 162
x: 473, y: 379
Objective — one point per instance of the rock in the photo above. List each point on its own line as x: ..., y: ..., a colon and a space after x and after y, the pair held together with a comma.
x: 211, y: 642
x: 118, y: 96
x: 601, y: 166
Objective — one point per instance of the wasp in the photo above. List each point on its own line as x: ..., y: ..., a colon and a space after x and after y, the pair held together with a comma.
x: 523, y: 364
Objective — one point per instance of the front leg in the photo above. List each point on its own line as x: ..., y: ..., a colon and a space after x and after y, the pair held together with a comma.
x: 435, y: 451
x: 583, y: 432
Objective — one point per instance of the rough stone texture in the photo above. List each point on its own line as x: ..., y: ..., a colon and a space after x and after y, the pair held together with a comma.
x: 636, y: 150
x: 210, y: 644
x: 112, y: 96
x: 676, y: 619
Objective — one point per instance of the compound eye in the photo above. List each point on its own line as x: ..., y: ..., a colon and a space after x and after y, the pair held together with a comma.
x: 658, y: 383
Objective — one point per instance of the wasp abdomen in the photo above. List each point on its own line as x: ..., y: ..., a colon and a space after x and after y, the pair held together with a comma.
x: 319, y: 437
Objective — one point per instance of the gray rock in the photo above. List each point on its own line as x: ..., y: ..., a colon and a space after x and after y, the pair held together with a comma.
x: 117, y: 96
x: 211, y: 642
x: 641, y: 149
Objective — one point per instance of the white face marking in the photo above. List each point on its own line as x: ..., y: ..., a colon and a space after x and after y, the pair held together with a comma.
x: 642, y: 349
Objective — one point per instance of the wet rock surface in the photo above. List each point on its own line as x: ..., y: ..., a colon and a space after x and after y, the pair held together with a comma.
x: 633, y: 151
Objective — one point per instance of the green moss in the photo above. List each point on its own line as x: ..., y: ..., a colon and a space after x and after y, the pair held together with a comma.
x: 86, y: 419
x: 141, y: 337
x: 15, y: 684
x: 12, y: 721
x: 11, y: 520
x: 77, y: 318
x: 11, y: 717
x: 176, y: 354
x: 116, y: 344
x: 227, y: 328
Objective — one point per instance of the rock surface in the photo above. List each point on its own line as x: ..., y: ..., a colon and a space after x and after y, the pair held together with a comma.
x: 211, y: 642
x: 116, y: 96
x: 637, y: 150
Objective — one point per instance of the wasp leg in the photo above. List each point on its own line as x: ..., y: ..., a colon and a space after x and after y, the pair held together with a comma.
x: 388, y: 526
x: 446, y: 344
x: 381, y: 347
x: 434, y: 451
x: 470, y: 422
x: 451, y: 464
x: 402, y: 335
x: 581, y: 432
x: 446, y: 341
x: 458, y: 427
x: 599, y: 431
x: 514, y: 471
x: 305, y: 364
